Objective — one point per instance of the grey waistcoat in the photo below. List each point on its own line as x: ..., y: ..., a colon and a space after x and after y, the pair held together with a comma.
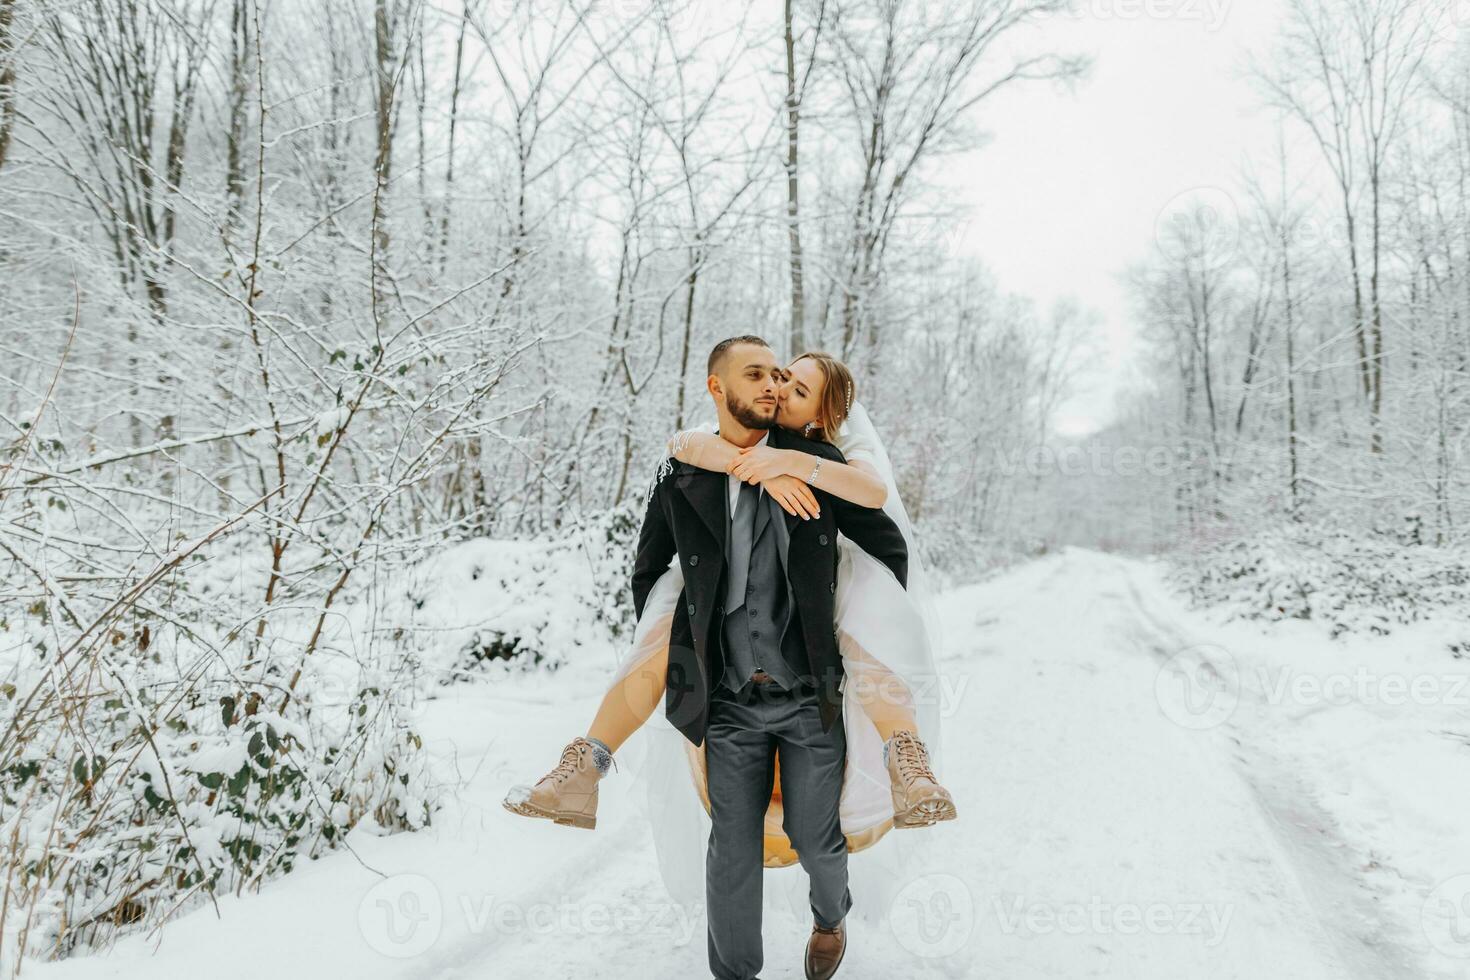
x: 757, y: 628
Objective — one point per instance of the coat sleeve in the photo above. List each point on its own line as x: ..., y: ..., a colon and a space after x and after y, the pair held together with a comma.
x: 870, y: 528
x: 655, y: 548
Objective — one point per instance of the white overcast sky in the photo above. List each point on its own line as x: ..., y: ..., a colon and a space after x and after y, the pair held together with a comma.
x: 1068, y: 191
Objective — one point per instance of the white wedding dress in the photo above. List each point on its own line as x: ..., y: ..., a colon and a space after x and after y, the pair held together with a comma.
x: 887, y: 636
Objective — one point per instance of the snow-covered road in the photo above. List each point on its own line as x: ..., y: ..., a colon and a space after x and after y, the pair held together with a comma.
x: 1125, y: 811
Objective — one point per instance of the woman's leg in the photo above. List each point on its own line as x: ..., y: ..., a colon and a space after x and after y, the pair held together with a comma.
x: 918, y: 798
x: 884, y: 697
x: 874, y: 613
x: 630, y: 701
x: 568, y: 793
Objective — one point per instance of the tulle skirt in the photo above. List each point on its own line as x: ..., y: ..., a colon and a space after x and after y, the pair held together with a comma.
x: 886, y: 658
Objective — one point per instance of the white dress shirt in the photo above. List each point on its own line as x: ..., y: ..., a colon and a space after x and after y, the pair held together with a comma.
x: 734, y: 483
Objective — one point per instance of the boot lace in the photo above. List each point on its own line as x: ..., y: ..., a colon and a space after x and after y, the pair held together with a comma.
x: 913, y: 758
x: 571, y: 757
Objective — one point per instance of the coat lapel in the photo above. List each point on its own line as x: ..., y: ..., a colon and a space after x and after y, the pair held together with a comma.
x: 706, y: 493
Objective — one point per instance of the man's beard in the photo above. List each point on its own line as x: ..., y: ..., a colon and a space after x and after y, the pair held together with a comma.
x: 747, y: 414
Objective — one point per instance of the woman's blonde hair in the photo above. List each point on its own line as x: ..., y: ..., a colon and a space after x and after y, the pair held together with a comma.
x: 837, y: 393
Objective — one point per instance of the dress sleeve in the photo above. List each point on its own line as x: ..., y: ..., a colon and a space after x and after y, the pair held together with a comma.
x: 856, y: 447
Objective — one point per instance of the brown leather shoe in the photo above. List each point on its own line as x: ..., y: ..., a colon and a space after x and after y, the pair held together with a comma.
x: 567, y: 794
x: 918, y: 799
x: 824, y: 951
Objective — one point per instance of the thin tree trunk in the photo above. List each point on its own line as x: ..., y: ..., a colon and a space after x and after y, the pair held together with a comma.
x: 383, y: 158
x: 7, y: 77
x: 695, y: 258
x: 421, y: 86
x: 793, y: 211
x: 1360, y: 332
x: 1375, y: 408
x: 464, y: 23
x: 236, y: 137
x: 1256, y: 342
x: 1293, y: 464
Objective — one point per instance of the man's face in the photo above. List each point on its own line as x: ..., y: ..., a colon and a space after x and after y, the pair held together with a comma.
x: 750, y: 379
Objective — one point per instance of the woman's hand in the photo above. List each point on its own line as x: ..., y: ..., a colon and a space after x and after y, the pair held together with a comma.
x: 794, y: 496
x: 757, y: 464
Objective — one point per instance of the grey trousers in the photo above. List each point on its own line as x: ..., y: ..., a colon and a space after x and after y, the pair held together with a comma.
x: 740, y: 747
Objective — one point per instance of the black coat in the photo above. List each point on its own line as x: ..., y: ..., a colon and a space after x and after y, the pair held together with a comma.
x: 687, y: 515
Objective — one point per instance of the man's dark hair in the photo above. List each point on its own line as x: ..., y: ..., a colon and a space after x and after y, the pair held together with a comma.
x: 718, y: 354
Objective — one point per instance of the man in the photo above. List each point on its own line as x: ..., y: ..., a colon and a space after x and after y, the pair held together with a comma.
x: 753, y: 661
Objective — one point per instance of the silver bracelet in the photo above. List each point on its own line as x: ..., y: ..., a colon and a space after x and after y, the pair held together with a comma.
x: 812, y: 480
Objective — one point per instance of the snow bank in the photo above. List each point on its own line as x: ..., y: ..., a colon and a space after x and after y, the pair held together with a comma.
x: 211, y: 765
x: 1350, y: 580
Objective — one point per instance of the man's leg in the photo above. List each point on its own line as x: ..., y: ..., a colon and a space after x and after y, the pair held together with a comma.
x: 812, y: 766
x: 739, y: 756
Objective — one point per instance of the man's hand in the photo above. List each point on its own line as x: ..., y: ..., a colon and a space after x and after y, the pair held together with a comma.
x: 794, y: 496
x: 757, y: 464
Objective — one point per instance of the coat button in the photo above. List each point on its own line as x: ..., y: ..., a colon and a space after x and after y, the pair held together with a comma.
x: 693, y: 560
x: 691, y: 609
x: 832, y: 587
x: 821, y: 539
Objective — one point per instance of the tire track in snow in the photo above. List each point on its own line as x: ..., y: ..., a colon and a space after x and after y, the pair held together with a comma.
x: 1325, y: 867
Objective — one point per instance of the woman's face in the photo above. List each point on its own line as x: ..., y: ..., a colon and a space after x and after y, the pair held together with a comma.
x: 800, y: 395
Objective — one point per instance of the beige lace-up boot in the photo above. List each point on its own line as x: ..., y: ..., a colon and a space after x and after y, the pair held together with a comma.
x: 918, y: 799
x: 567, y: 794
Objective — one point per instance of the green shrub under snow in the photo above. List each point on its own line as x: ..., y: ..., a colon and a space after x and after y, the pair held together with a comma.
x: 138, y: 792
x: 169, y: 763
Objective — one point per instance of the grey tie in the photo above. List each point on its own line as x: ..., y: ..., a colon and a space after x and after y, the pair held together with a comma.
x: 742, y: 539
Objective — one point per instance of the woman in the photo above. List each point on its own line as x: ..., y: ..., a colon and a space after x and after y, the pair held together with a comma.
x: 885, y: 634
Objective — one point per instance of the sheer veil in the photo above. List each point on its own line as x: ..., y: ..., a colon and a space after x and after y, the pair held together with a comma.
x: 859, y: 429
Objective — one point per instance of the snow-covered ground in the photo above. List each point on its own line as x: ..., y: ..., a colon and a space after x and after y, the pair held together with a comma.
x: 1144, y: 792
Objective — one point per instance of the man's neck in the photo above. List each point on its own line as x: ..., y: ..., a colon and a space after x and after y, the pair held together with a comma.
x: 737, y: 434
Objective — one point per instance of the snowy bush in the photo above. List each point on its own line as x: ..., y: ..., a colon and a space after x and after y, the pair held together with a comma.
x: 173, y: 762
x: 1352, y: 581
x: 608, y: 542
x: 143, y: 773
x: 501, y: 605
